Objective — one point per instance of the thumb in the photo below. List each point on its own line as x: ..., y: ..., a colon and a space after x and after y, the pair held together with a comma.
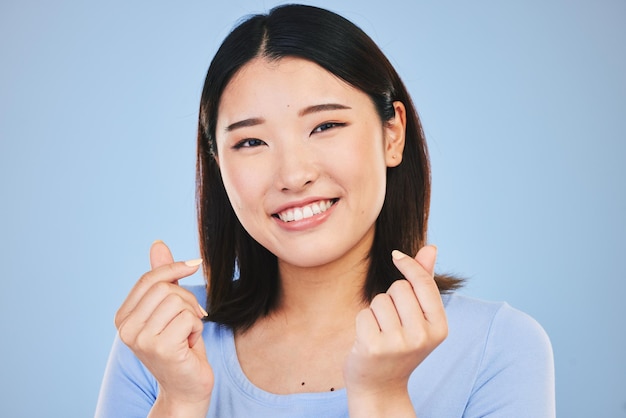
x: 160, y: 255
x: 426, y: 257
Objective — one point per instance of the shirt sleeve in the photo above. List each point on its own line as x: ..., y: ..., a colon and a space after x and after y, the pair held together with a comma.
x: 128, y: 389
x: 516, y: 376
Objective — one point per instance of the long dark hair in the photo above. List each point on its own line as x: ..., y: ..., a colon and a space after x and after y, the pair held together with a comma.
x: 343, y: 49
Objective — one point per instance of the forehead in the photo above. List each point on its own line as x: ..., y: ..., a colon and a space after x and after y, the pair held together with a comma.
x: 280, y: 71
x: 289, y: 82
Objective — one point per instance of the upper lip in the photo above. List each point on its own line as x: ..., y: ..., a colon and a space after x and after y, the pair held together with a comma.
x: 301, y: 203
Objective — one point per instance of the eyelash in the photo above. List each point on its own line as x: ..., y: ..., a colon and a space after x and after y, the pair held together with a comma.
x: 247, y: 143
x: 326, y: 126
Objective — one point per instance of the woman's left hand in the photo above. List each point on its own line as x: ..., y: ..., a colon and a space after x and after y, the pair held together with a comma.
x: 393, y: 336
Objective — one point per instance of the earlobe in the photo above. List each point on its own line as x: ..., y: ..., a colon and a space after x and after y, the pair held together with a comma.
x: 395, y: 132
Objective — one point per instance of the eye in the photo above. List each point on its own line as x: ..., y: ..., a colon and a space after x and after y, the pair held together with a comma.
x: 249, y: 143
x: 326, y: 126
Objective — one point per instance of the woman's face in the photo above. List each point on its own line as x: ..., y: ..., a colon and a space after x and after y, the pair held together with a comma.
x: 303, y: 157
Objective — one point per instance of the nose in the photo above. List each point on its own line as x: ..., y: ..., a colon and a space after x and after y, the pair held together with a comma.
x: 296, y: 168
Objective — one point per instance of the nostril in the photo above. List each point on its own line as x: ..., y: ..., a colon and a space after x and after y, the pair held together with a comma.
x: 297, y: 185
x: 296, y: 174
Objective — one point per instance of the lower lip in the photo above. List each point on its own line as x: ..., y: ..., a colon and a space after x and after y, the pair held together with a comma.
x: 308, y: 223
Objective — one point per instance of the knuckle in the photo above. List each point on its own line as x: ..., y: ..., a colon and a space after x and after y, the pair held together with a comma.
x: 363, y: 314
x: 144, y: 280
x: 400, y: 287
x: 398, y: 342
x: 143, y: 343
x: 187, y: 316
x: 162, y: 350
x: 404, y: 285
x: 186, y: 295
x: 417, y: 342
x: 374, y: 350
x: 380, y: 300
x: 126, y: 335
x: 418, y: 335
x: 161, y: 288
x: 173, y: 299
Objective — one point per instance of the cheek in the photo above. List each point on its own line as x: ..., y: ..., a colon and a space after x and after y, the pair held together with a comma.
x: 370, y: 176
x: 363, y: 161
x: 364, y: 174
x: 240, y: 184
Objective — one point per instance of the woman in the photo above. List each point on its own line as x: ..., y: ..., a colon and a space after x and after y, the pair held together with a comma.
x: 313, y: 186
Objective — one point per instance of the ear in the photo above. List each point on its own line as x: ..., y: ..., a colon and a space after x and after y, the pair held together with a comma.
x: 395, y: 131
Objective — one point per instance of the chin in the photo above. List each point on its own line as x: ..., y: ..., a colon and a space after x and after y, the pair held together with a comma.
x: 312, y: 259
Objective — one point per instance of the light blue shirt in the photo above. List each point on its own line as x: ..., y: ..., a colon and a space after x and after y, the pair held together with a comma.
x: 497, y: 362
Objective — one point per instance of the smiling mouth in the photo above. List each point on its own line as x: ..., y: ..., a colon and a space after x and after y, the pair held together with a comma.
x: 304, y: 212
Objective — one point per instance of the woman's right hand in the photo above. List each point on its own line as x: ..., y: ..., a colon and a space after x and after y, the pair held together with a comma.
x: 161, y: 323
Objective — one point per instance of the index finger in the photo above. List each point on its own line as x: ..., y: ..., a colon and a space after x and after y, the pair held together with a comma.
x: 167, y: 273
x: 419, y: 271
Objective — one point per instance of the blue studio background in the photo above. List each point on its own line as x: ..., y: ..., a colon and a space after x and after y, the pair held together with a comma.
x: 523, y: 103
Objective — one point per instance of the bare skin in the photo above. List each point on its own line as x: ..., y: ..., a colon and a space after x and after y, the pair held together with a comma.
x: 308, y: 337
x: 283, y: 358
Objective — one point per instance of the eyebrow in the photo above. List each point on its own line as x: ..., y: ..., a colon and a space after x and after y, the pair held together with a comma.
x: 244, y: 123
x: 306, y: 111
x: 322, y: 108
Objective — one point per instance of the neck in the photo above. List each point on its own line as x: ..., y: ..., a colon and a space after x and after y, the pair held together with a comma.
x: 323, y: 295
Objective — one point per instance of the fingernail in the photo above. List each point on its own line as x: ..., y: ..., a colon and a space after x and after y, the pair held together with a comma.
x: 397, y: 255
x: 193, y: 263
x: 156, y: 241
x: 204, y: 312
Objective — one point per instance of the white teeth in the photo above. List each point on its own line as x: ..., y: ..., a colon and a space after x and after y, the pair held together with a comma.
x: 297, y: 214
x: 316, y: 208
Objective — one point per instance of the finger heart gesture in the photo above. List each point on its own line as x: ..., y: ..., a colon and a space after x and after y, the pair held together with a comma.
x: 161, y: 323
x: 396, y: 333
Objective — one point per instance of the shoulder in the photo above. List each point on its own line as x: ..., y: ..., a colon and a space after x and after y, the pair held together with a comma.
x: 495, y: 316
x: 507, y: 355
x: 127, y: 385
x: 497, y: 323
